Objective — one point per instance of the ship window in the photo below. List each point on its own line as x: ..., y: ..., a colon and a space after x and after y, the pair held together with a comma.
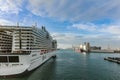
x: 3, y: 58
x: 13, y: 59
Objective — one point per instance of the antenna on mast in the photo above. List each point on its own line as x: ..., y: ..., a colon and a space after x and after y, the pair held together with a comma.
x: 36, y: 24
x: 17, y: 24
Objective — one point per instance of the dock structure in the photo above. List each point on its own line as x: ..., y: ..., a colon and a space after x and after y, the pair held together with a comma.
x: 113, y: 59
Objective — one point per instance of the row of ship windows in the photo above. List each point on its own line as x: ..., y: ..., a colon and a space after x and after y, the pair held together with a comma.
x: 17, y: 42
x: 5, y: 46
x: 30, y: 32
x: 23, y: 45
x: 33, y: 43
x: 8, y: 42
x: 38, y: 32
x: 5, y: 39
x: 29, y: 35
x: 24, y: 37
x: 32, y: 37
x: 25, y: 29
x: 24, y: 48
x: 14, y: 64
x: 5, y: 34
x: 8, y: 38
x: 28, y: 42
x: 21, y: 31
x: 17, y: 47
x: 8, y: 59
x: 31, y: 48
x: 37, y: 39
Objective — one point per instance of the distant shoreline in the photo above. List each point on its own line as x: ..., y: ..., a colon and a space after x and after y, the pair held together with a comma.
x: 103, y: 51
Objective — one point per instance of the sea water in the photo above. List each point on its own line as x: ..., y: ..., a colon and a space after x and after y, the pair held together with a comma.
x: 70, y: 65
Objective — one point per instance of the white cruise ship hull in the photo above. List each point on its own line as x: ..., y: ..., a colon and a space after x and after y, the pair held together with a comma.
x: 24, y: 48
x: 27, y: 62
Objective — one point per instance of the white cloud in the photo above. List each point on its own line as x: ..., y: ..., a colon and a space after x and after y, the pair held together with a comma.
x: 97, y: 40
x: 65, y: 40
x: 105, y: 35
x: 112, y: 29
x: 87, y: 26
x: 64, y: 37
x: 11, y: 6
x: 64, y: 46
x: 5, y: 22
x: 84, y: 10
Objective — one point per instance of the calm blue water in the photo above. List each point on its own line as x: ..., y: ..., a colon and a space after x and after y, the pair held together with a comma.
x: 76, y: 66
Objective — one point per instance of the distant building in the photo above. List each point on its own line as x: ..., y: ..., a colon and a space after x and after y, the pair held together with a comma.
x: 95, y: 48
x: 83, y: 47
x: 86, y: 46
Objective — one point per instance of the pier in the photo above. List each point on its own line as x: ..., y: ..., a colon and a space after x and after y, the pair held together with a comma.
x: 113, y: 59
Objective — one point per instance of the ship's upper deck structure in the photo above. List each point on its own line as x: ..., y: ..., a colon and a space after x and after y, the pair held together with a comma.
x: 21, y: 38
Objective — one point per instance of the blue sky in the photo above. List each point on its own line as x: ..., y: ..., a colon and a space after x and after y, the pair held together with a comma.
x: 70, y: 22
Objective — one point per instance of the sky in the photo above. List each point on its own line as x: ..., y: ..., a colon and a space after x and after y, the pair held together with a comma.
x: 70, y: 22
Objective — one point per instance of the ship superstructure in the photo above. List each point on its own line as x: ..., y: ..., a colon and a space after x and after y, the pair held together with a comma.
x: 24, y: 48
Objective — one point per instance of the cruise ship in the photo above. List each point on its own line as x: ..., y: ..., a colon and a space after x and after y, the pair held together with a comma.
x: 23, y: 49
